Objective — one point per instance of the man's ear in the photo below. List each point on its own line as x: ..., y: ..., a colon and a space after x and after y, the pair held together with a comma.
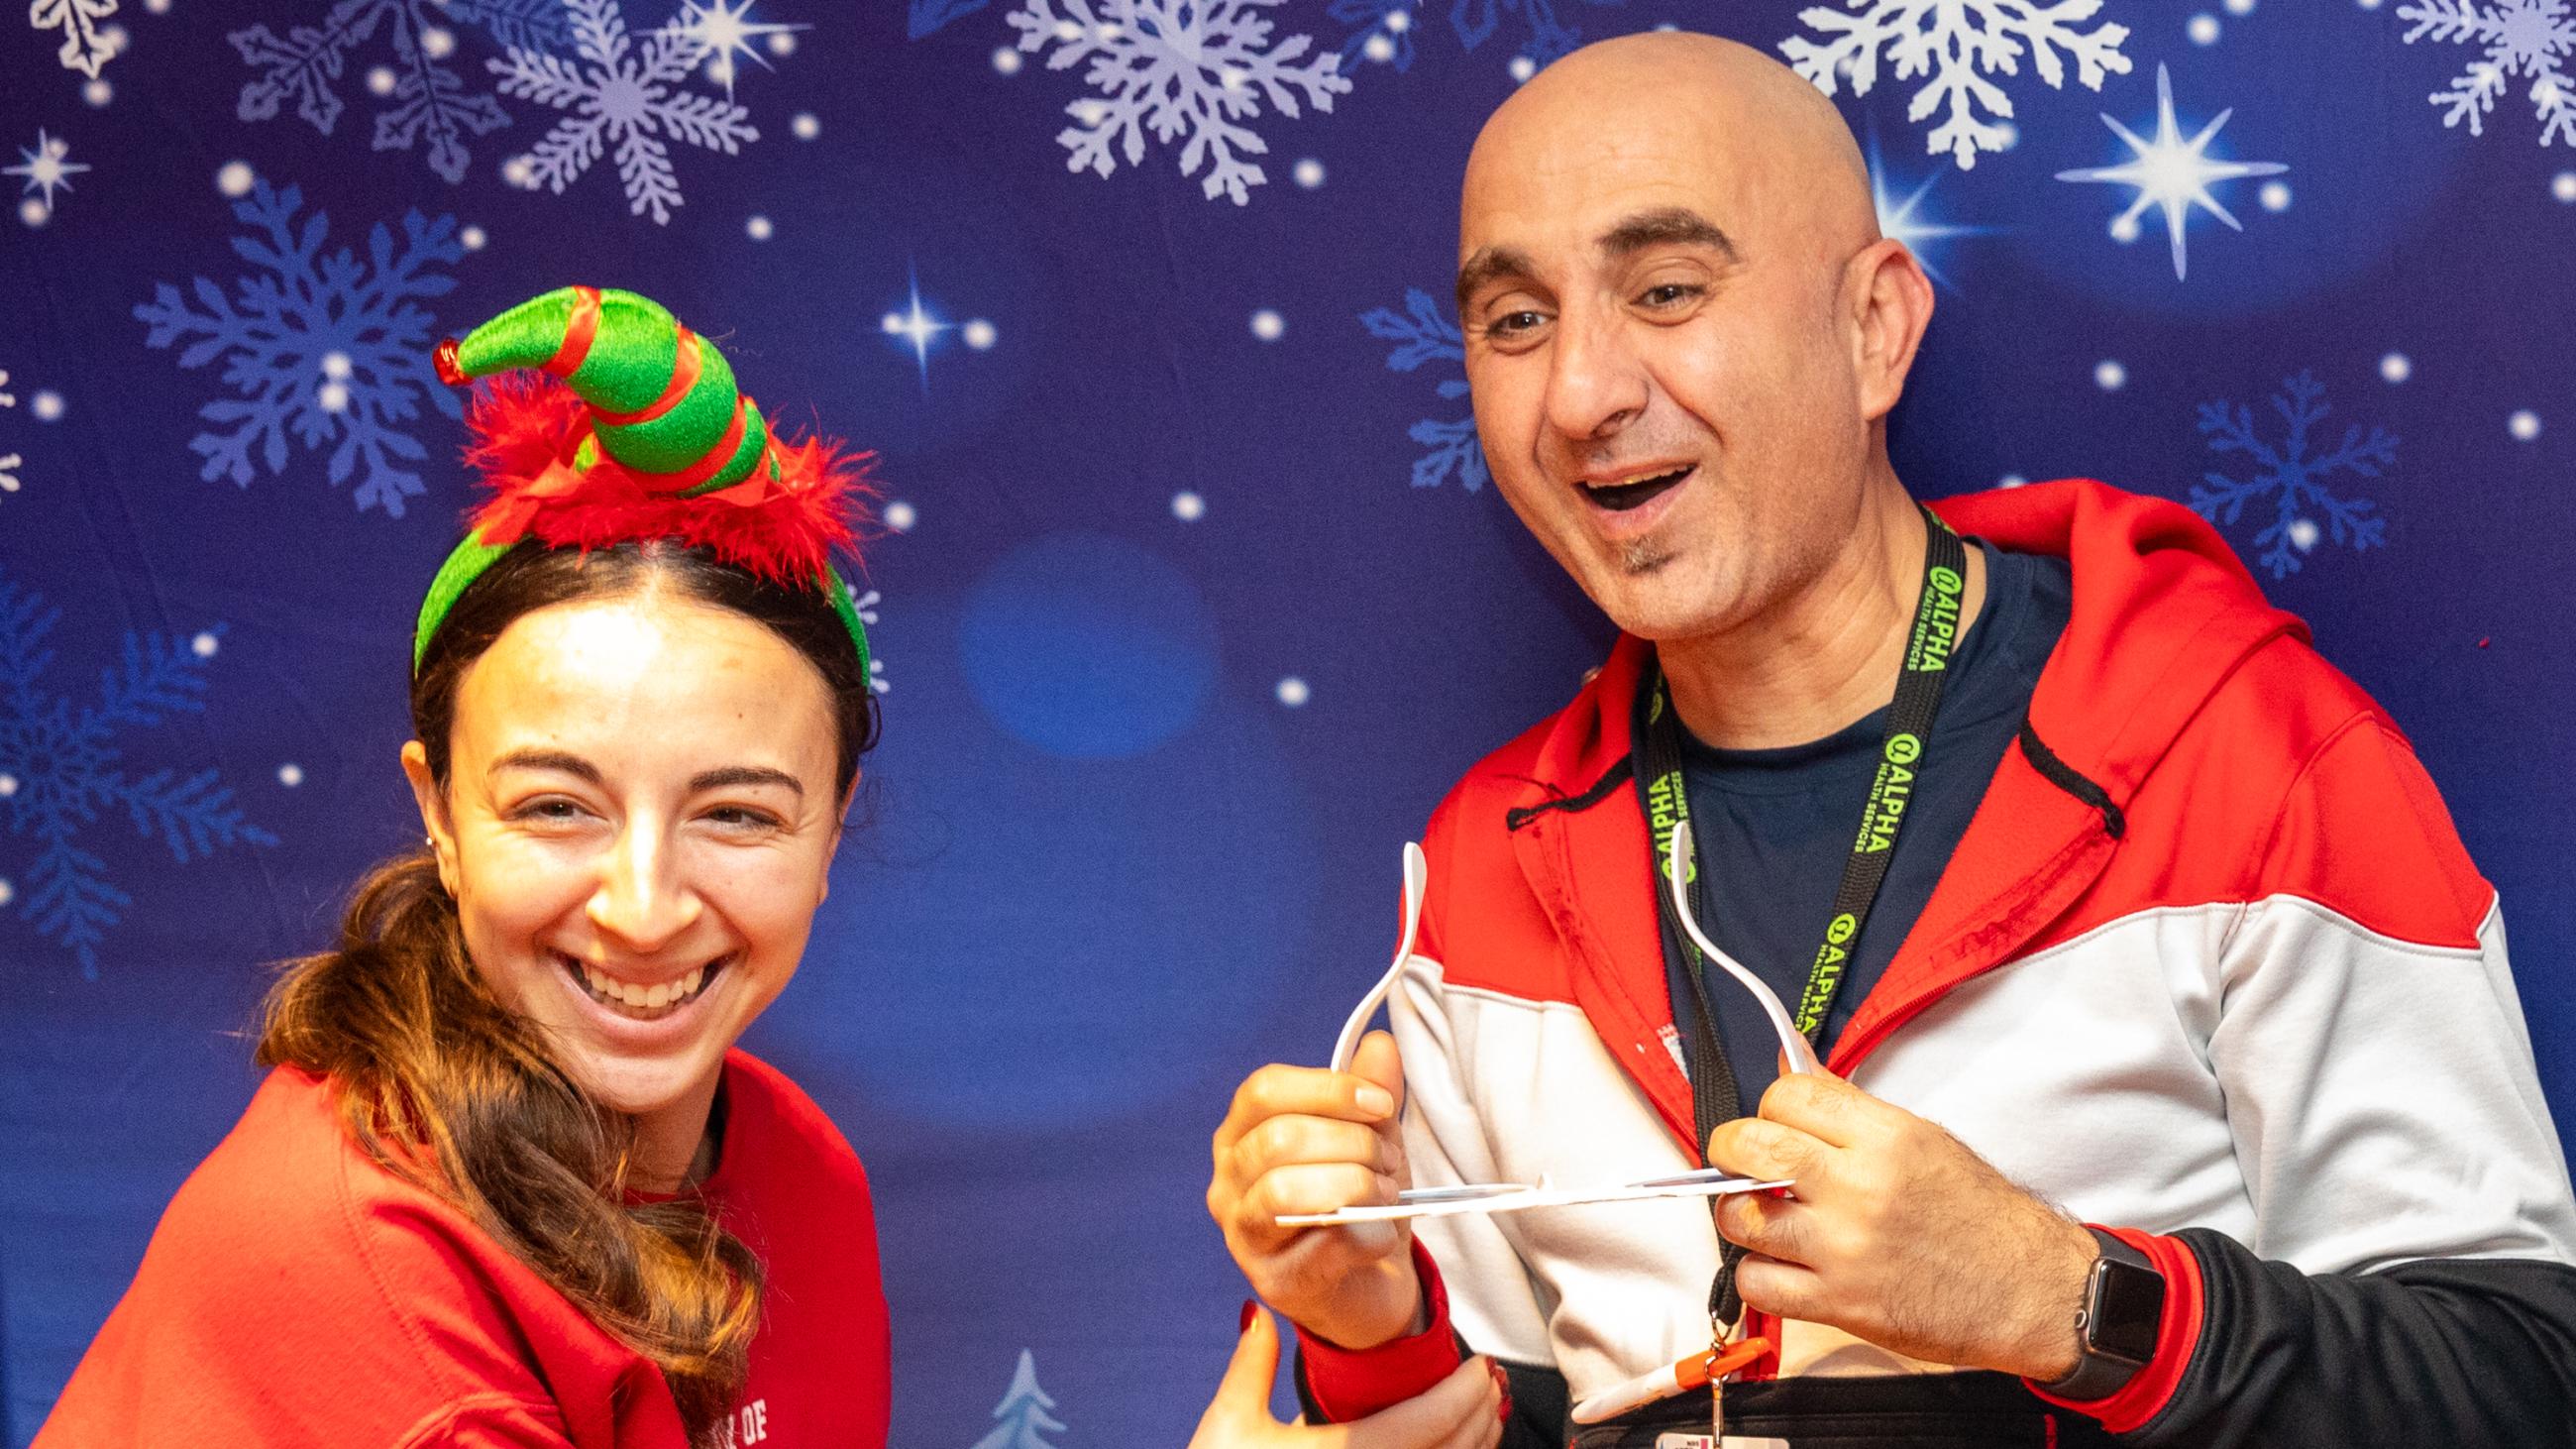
x: 434, y: 820
x: 1890, y: 302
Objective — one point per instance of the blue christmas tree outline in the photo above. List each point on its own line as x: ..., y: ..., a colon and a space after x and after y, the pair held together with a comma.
x: 2291, y: 475
x: 57, y: 770
x: 1472, y: 21
x: 1422, y: 334
x: 428, y: 98
x: 1023, y: 1412
x: 326, y: 346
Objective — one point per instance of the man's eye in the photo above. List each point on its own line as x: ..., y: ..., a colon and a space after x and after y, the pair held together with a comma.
x: 1512, y: 324
x: 1667, y: 294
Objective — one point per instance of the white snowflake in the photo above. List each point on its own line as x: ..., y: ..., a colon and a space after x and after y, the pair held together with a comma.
x: 1176, y: 67
x: 87, y: 44
x: 9, y: 462
x: 47, y: 166
x: 626, y: 92
x: 320, y: 344
x: 2527, y: 37
x: 1951, y: 41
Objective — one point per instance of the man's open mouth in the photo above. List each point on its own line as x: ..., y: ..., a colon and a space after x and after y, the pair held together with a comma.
x: 1636, y: 492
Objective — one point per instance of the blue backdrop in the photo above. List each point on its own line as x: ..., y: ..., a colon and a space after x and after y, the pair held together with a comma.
x: 1194, y: 596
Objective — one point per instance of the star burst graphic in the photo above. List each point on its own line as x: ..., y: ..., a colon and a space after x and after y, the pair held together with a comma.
x: 721, y: 33
x: 916, y: 328
x: 45, y: 167
x: 2171, y: 173
x: 1910, y: 221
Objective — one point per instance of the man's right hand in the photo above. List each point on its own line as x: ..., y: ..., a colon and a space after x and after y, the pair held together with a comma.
x: 1303, y: 1140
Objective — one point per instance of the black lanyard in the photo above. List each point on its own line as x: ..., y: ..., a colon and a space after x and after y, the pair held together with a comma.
x: 1901, y: 760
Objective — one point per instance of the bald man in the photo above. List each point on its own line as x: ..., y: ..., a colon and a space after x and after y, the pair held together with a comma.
x: 2175, y: 1087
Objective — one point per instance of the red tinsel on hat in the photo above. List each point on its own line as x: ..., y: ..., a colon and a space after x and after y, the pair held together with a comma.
x: 526, y: 429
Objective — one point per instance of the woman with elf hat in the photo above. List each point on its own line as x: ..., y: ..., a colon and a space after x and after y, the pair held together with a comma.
x: 509, y: 1182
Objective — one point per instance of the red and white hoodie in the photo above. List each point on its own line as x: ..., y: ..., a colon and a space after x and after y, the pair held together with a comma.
x: 2209, y: 965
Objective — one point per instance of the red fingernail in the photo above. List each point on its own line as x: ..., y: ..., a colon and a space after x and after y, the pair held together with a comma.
x: 1506, y: 1415
x: 1243, y: 1325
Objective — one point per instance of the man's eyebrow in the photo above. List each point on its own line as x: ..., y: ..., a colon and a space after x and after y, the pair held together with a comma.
x: 558, y: 760
x: 1488, y: 265
x: 1669, y: 226
x: 734, y: 775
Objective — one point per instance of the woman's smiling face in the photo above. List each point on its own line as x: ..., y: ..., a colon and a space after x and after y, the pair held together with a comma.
x: 637, y: 824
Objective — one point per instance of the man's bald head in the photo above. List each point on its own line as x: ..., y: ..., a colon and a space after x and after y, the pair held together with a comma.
x: 1696, y: 108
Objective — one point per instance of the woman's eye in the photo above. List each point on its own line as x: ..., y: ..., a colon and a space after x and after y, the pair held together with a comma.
x: 744, y: 817
x: 550, y: 810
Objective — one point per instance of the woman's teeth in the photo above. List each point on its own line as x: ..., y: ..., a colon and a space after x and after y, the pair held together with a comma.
x: 611, y: 992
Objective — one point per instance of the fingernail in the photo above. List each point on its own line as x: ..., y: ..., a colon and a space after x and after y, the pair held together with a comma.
x: 1505, y: 1415
x: 1243, y: 1325
x: 1376, y: 1100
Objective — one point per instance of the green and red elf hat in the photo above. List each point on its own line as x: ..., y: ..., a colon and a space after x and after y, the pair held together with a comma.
x: 632, y: 429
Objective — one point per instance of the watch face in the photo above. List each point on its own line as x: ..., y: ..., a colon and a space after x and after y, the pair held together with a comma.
x: 2127, y: 1310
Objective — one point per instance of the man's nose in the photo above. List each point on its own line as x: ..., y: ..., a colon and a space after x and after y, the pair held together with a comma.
x: 641, y: 901
x: 1596, y: 383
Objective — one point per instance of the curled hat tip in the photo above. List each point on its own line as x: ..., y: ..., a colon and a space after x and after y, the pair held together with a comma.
x: 444, y: 360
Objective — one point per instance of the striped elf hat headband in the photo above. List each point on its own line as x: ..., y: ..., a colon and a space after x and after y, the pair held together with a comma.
x: 634, y: 430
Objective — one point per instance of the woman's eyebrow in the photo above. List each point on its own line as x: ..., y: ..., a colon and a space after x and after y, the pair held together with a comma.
x: 733, y: 775
x: 557, y: 760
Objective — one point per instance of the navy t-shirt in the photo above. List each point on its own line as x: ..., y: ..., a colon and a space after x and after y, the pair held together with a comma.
x: 1774, y: 827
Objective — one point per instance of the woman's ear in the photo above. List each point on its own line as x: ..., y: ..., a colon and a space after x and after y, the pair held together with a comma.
x: 433, y: 811
x: 840, y: 827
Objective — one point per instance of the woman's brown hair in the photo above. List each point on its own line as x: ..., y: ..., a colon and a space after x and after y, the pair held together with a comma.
x: 439, y: 1082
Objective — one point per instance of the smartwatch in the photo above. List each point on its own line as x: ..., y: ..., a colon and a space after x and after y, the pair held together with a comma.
x: 2124, y: 1304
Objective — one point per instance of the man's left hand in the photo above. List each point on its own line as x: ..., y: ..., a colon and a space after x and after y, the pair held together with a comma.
x: 1898, y: 1234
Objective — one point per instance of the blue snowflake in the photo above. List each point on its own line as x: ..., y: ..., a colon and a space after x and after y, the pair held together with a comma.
x: 325, y: 346
x: 1423, y: 334
x: 425, y: 97
x: 58, y: 771
x: 2292, y: 476
x: 1383, y: 29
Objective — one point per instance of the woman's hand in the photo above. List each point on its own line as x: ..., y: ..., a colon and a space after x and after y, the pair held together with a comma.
x: 1463, y: 1411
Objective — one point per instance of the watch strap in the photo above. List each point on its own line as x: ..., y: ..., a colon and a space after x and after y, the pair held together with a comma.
x: 2099, y: 1373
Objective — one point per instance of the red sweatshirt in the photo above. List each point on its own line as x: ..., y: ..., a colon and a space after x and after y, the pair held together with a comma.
x: 296, y: 1293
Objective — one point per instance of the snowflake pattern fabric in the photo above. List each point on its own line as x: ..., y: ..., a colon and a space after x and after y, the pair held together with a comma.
x: 427, y: 99
x: 10, y: 463
x: 2293, y: 478
x: 59, y: 771
x: 1382, y: 30
x: 1957, y: 44
x: 89, y: 42
x: 326, y: 347
x: 1194, y: 68
x: 2534, y: 38
x: 1422, y: 334
x: 622, y: 90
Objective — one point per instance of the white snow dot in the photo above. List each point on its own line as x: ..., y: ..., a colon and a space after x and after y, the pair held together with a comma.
x: 380, y: 81
x: 782, y: 43
x: 979, y: 334
x: 2545, y: 95
x: 1007, y: 61
x: 2275, y: 195
x: 8, y: 893
x: 1268, y: 325
x: 2563, y: 186
x: 114, y: 38
x: 436, y: 43
x: 720, y: 70
x: 2011, y: 480
x: 1067, y: 30
x: 473, y: 238
x: 234, y: 178
x: 34, y: 212
x: 2110, y: 375
x: 8, y: 786
x: 900, y: 516
x: 290, y: 774
x: 2396, y: 367
x: 1089, y: 113
x: 1309, y: 173
x: 47, y: 406
x: 2303, y: 533
x: 1107, y: 30
x: 203, y: 646
x: 1232, y: 77
x: 1522, y: 67
x: 2240, y: 7
x: 2124, y: 229
x: 2368, y: 4
x: 1293, y: 692
x: 335, y: 365
x: 98, y: 93
x: 2203, y: 29
x: 1666, y: 26
x: 157, y: 7
x: 521, y: 172
x: 1399, y: 21
x: 2524, y: 425
x: 807, y: 127
x: 1378, y: 48
x: 2007, y: 135
x: 333, y: 397
x: 892, y: 322
x: 1188, y: 507
x: 758, y: 228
